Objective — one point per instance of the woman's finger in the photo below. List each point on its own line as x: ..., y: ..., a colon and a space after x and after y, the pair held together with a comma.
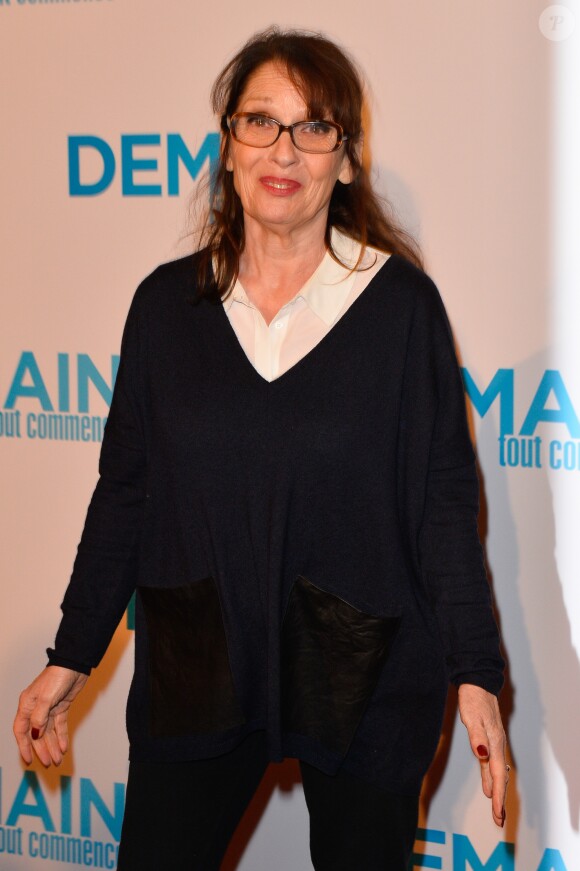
x: 40, y: 723
x: 480, y: 714
x: 42, y: 752
x: 52, y: 745
x: 61, y: 729
x: 499, y: 775
x: 22, y: 734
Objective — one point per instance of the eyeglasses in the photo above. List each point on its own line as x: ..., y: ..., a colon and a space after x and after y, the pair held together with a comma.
x: 315, y: 137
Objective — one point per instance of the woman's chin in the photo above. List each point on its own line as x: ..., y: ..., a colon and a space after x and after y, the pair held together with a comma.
x: 277, y: 218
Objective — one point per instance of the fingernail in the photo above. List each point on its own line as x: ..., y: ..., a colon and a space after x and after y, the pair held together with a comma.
x: 502, y: 817
x: 35, y: 733
x: 482, y: 750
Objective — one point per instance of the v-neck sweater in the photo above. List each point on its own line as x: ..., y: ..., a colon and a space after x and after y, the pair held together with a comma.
x: 301, y: 322
x: 305, y: 550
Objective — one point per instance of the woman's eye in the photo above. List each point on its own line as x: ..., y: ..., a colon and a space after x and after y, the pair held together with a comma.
x: 318, y: 128
x: 258, y: 121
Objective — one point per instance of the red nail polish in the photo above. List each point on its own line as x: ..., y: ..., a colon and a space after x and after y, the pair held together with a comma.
x: 502, y: 817
x: 35, y: 733
x: 482, y: 750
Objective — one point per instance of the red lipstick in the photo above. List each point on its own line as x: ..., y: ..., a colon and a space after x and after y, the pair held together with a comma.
x: 279, y: 187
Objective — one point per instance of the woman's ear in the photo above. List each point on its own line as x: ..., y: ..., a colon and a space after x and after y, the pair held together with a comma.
x: 348, y: 172
x: 225, y: 154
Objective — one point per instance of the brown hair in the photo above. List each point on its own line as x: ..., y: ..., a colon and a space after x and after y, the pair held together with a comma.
x: 330, y: 84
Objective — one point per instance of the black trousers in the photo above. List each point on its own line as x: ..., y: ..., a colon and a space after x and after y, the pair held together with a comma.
x: 181, y: 817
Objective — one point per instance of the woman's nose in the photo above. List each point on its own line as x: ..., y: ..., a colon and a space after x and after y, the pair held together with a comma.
x: 284, y: 152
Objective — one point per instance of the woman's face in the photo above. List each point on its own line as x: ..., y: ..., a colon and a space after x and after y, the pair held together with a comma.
x: 280, y: 187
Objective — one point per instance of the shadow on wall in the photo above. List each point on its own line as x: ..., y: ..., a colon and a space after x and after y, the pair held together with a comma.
x: 445, y: 782
x: 441, y: 768
x: 542, y: 693
x: 284, y: 777
x: 101, y: 677
x: 544, y: 661
x: 83, y: 705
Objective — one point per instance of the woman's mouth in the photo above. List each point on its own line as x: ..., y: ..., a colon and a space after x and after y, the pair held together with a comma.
x: 279, y: 186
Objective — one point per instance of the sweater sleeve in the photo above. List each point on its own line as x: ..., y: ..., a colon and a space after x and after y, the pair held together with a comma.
x: 103, y: 576
x: 442, y: 494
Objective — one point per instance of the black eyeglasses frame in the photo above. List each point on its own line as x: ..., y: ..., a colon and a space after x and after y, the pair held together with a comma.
x: 227, y: 127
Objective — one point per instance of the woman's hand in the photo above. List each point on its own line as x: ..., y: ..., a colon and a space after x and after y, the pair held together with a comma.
x: 41, y: 720
x: 479, y: 712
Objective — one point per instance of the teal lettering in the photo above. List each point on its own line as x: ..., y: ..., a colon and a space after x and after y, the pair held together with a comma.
x: 552, y: 861
x: 178, y: 152
x: 88, y: 372
x: 464, y: 854
x: 66, y: 805
x: 502, y: 385
x: 130, y: 164
x: 131, y: 613
x: 27, y: 365
x: 63, y: 383
x: 551, y: 382
x: 75, y: 187
x: 39, y: 808
x: 426, y: 860
x: 91, y: 798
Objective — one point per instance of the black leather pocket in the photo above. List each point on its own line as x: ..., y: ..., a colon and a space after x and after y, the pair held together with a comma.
x: 191, y: 685
x: 332, y: 657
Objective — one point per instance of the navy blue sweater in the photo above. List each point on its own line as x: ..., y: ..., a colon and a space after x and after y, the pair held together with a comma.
x: 305, y: 551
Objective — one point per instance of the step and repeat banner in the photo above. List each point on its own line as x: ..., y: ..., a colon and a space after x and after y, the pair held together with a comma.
x: 473, y: 133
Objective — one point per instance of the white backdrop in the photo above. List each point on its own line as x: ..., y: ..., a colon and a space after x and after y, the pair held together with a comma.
x: 475, y: 137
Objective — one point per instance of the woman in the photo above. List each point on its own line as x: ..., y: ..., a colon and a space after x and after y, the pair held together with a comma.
x: 288, y: 481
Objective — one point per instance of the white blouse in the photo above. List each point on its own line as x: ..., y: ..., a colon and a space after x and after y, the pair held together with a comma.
x: 303, y: 321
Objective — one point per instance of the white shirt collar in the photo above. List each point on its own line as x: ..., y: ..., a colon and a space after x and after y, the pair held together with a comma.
x: 326, y: 290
